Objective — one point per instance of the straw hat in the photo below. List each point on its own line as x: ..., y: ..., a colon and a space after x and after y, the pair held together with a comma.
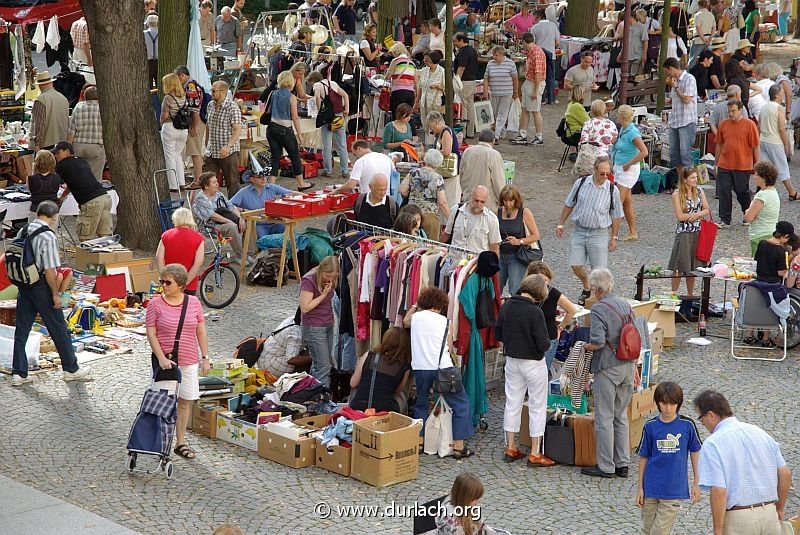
x: 275, y: 48
x: 44, y: 78
x: 744, y: 43
x: 717, y: 42
x: 320, y: 35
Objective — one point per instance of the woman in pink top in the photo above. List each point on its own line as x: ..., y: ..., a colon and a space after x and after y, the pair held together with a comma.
x: 521, y: 22
x: 163, y: 316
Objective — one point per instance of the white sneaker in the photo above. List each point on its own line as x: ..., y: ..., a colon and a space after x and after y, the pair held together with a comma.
x: 83, y: 374
x: 519, y: 140
x: 18, y: 380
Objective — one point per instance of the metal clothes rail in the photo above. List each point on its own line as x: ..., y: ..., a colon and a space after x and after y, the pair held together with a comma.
x: 422, y: 241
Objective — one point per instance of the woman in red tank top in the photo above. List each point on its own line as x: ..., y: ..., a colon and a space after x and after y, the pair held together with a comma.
x: 183, y: 245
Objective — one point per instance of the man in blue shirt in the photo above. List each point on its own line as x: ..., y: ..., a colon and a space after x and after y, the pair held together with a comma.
x: 254, y: 196
x: 742, y: 466
x: 467, y: 23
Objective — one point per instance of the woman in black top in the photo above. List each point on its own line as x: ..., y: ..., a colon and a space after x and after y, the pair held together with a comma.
x: 44, y: 183
x: 517, y: 229
x: 385, y: 371
x: 370, y: 51
x: 550, y: 306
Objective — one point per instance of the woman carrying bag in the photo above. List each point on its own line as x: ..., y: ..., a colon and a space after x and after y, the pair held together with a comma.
x: 690, y: 206
x: 432, y: 364
x: 520, y: 245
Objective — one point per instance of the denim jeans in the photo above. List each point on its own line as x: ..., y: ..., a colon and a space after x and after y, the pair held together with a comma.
x: 328, y: 139
x: 279, y: 138
x: 694, y: 53
x: 550, y: 354
x: 680, y: 145
x: 462, y: 412
x: 319, y: 341
x: 550, y: 81
x: 511, y: 271
x: 39, y: 299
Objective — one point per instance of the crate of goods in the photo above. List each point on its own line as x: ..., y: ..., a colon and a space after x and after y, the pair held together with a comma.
x: 286, y: 208
x: 317, y: 205
x: 311, y: 169
x: 342, y: 201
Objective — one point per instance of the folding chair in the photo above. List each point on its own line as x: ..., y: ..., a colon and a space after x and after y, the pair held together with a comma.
x: 3, y: 228
x: 570, y: 142
x: 753, y: 312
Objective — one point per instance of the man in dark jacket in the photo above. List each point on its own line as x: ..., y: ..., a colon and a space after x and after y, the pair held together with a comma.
x: 613, y: 378
x: 376, y: 207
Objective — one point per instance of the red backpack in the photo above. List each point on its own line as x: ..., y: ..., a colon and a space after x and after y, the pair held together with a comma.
x: 630, y: 341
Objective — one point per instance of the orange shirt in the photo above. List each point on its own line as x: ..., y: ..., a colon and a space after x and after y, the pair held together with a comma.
x: 737, y: 139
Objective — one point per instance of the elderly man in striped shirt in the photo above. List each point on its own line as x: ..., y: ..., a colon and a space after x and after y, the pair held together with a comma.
x: 743, y: 468
x: 593, y: 202
x: 86, y: 132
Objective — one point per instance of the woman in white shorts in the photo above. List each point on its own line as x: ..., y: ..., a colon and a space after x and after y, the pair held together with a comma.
x: 163, y: 318
x: 627, y: 153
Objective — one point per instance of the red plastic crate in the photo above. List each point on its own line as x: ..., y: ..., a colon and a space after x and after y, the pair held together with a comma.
x: 342, y: 201
x: 311, y: 169
x: 283, y: 208
x: 318, y: 205
x: 311, y: 156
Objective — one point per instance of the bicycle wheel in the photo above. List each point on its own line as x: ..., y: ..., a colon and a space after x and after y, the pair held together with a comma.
x: 219, y: 286
x: 793, y: 323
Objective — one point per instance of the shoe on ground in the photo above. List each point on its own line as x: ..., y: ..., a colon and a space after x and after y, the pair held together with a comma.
x: 722, y: 224
x: 325, y: 173
x: 512, y: 455
x: 519, y: 140
x: 621, y: 472
x: 595, y: 471
x: 540, y: 460
x: 84, y: 373
x: 584, y: 295
x: 18, y: 380
x: 535, y: 142
x: 745, y: 223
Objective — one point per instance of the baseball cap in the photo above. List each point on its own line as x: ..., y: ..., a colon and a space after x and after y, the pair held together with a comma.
x: 62, y: 145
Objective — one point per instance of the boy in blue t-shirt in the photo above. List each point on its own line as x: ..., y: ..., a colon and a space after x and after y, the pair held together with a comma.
x: 667, y: 442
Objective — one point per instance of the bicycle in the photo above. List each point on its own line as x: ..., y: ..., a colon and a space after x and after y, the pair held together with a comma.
x: 219, y: 282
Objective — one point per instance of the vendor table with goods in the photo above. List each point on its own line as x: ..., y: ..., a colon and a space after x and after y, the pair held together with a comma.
x: 290, y: 211
x: 19, y: 209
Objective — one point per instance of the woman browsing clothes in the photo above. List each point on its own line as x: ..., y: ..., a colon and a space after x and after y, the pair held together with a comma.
x: 316, y: 295
x: 517, y: 229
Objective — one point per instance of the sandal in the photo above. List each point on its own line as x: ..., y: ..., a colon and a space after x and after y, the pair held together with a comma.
x: 749, y: 340
x: 795, y: 197
x: 462, y: 454
x: 769, y: 343
x: 184, y: 451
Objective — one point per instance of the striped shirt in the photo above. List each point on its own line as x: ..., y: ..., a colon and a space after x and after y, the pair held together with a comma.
x: 85, y: 124
x: 165, y: 317
x: 743, y: 459
x: 79, y: 31
x: 45, y: 246
x: 593, y: 204
x: 501, y: 77
x: 683, y: 114
x: 221, y: 118
x: 403, y: 73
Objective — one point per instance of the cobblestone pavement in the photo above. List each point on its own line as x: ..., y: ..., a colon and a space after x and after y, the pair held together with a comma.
x: 68, y: 439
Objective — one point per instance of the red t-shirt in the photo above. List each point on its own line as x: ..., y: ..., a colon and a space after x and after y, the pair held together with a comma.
x: 180, y: 247
x: 4, y: 282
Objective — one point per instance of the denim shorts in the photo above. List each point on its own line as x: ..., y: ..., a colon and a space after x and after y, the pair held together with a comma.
x: 588, y: 245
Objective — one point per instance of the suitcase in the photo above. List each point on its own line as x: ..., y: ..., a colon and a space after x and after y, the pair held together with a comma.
x: 585, y: 443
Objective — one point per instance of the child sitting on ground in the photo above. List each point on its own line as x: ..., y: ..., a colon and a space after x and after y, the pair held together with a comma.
x: 667, y: 442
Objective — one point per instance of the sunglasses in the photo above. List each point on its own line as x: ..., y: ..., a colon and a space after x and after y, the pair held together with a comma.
x: 163, y: 282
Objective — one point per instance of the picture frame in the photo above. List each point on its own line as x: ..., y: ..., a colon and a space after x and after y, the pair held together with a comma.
x: 484, y: 115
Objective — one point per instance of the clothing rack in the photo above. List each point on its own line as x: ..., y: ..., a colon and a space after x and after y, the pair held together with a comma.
x: 423, y: 241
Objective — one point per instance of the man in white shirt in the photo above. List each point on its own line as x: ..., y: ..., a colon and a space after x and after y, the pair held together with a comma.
x: 368, y: 164
x: 547, y: 35
x: 705, y: 25
x: 473, y: 226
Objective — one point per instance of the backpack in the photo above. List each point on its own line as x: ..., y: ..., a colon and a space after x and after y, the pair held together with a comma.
x: 630, y: 341
x: 577, y: 191
x: 182, y: 119
x: 20, y: 260
x: 265, y: 270
x: 204, y: 105
x: 337, y: 102
x: 250, y: 349
x: 392, y: 205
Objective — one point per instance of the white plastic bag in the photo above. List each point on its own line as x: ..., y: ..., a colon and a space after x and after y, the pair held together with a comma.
x: 584, y: 163
x: 513, y: 116
x: 439, y: 430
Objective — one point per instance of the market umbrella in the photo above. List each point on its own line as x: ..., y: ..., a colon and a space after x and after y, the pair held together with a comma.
x: 195, y: 57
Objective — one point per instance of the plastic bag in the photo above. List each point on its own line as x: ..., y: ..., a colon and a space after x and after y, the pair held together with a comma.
x: 513, y: 116
x: 439, y: 430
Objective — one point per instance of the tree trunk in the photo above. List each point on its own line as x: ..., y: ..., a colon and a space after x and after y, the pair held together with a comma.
x: 173, y: 35
x: 581, y: 18
x: 448, y: 65
x: 796, y: 24
x: 130, y: 129
x: 662, y: 55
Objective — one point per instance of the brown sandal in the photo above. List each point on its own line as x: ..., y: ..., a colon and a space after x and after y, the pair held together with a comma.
x: 184, y: 451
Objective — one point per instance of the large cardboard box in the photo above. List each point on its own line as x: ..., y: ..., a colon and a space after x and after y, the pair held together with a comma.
x: 204, y: 418
x: 237, y: 432
x: 83, y: 257
x: 642, y: 405
x: 657, y: 341
x: 666, y: 321
x: 290, y: 446
x: 141, y: 281
x: 385, y: 449
x: 336, y: 459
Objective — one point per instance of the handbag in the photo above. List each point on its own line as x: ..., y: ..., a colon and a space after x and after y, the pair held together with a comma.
x: 448, y: 380
x: 385, y: 99
x: 484, y: 306
x: 584, y: 162
x: 266, y: 117
x: 531, y: 252
x: 439, y: 430
x: 224, y: 211
x: 706, y: 239
x: 449, y: 167
x: 559, y: 440
x: 513, y: 115
x: 172, y: 374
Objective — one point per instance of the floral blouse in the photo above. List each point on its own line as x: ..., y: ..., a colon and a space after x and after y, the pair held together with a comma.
x: 600, y: 132
x: 424, y: 184
x: 431, y: 98
x: 693, y: 206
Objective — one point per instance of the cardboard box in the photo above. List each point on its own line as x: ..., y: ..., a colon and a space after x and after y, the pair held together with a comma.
x: 795, y: 522
x: 141, y: 281
x: 83, y: 257
x: 319, y: 421
x: 289, y: 429
x: 204, y: 418
x: 288, y: 451
x: 237, y: 432
x: 336, y: 459
x: 642, y: 405
x: 385, y: 449
x: 666, y: 321
x: 657, y: 341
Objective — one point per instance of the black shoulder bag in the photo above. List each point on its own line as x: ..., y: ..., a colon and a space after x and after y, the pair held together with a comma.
x: 224, y: 211
x: 448, y: 380
x: 375, y: 362
x: 172, y: 374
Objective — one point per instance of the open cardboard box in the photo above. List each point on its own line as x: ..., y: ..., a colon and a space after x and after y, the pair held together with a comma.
x: 83, y: 257
x: 646, y: 309
x: 385, y: 449
x: 288, y: 443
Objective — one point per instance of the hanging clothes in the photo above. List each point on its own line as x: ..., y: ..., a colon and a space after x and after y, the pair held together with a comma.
x: 19, y: 62
x: 474, y: 374
x: 65, y: 49
x: 576, y: 371
x: 6, y: 62
x: 53, y: 35
x: 39, y: 38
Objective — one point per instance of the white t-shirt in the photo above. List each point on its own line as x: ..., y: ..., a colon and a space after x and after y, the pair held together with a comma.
x: 672, y: 47
x: 427, y: 332
x: 370, y: 165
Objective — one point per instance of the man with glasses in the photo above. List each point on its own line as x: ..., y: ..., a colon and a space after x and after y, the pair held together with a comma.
x: 223, y: 128
x: 594, y: 206
x: 473, y: 226
x: 738, y: 149
x: 743, y: 468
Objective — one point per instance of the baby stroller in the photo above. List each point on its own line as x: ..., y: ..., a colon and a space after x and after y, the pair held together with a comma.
x: 154, y: 426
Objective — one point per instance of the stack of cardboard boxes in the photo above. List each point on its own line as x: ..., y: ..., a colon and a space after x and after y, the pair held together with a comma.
x: 139, y: 272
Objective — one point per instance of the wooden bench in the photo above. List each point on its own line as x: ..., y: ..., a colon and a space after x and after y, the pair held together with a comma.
x: 637, y: 91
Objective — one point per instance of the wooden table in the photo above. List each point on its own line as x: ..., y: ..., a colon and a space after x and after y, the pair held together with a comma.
x: 253, y: 217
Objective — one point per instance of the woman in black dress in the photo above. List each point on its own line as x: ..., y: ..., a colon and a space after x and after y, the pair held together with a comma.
x: 383, y: 371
